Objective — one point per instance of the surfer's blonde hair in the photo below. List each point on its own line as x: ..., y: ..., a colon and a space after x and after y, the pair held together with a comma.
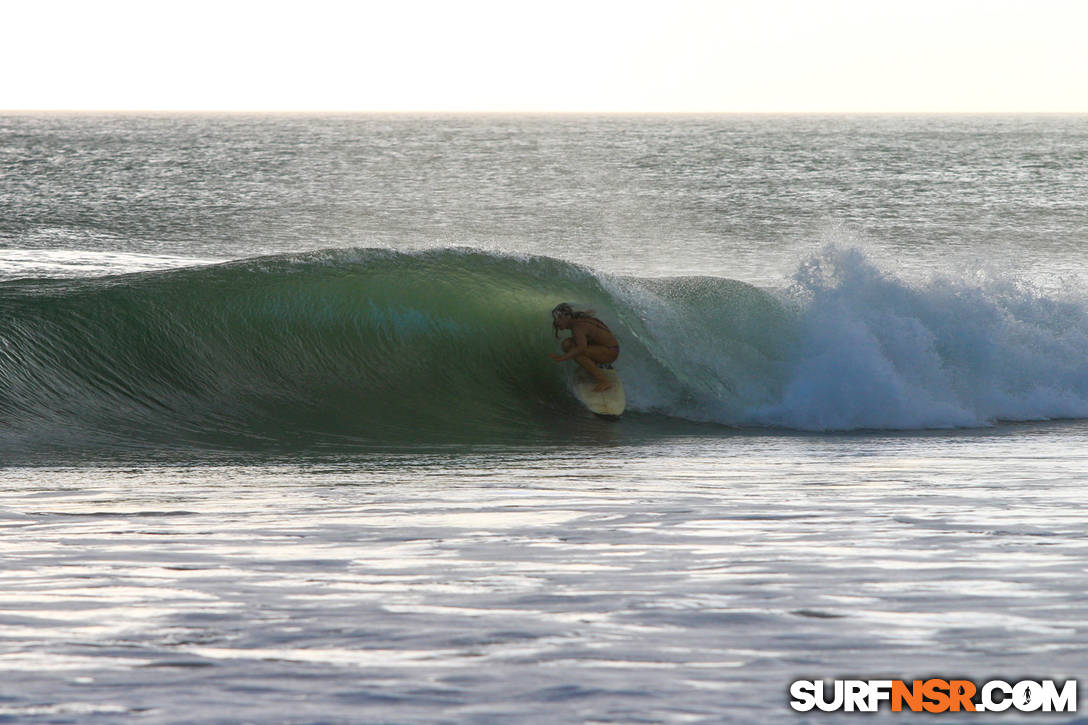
x: 564, y: 309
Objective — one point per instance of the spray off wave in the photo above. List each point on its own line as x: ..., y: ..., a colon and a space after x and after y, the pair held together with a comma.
x: 451, y: 345
x: 877, y: 352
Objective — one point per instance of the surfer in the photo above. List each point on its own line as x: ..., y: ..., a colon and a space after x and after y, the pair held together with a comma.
x: 590, y: 342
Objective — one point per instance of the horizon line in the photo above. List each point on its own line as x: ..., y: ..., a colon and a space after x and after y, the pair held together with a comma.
x: 546, y: 112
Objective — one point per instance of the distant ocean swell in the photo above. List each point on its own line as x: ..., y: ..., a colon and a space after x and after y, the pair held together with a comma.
x: 451, y: 345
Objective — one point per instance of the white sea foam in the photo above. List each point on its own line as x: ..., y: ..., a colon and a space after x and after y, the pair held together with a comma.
x: 850, y: 345
x: 877, y: 351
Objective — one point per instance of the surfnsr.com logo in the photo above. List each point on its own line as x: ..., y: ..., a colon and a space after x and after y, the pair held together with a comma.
x: 933, y: 695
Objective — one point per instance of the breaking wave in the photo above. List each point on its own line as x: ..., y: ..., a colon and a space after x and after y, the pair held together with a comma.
x: 448, y: 345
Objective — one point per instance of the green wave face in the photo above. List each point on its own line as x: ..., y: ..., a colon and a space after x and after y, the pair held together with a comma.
x: 362, y: 346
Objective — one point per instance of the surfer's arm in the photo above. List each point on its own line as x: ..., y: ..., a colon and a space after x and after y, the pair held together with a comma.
x: 581, y: 344
x: 570, y: 355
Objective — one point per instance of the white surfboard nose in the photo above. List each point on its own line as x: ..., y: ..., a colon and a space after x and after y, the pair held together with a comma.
x: 611, y: 402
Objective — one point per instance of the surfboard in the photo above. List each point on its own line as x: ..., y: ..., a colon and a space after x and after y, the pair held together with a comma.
x: 607, y: 404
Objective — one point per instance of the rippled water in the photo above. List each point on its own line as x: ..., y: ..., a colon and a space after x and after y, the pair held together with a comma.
x: 681, y: 581
x: 657, y: 570
x: 736, y: 196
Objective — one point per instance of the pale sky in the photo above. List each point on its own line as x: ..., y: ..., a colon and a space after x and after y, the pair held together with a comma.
x: 560, y: 55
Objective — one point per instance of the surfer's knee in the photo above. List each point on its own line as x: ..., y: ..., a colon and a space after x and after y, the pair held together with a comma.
x: 567, y: 344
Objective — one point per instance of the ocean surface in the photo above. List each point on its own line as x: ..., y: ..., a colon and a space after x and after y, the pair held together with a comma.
x: 281, y: 442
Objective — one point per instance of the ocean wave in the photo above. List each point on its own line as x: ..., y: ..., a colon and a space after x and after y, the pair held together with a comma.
x: 445, y: 345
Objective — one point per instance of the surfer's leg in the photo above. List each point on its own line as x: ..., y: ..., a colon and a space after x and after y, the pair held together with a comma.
x: 598, y: 354
x: 603, y: 383
x: 601, y: 354
x: 594, y: 354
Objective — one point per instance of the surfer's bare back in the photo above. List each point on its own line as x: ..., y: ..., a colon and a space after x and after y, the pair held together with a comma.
x: 590, y: 342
